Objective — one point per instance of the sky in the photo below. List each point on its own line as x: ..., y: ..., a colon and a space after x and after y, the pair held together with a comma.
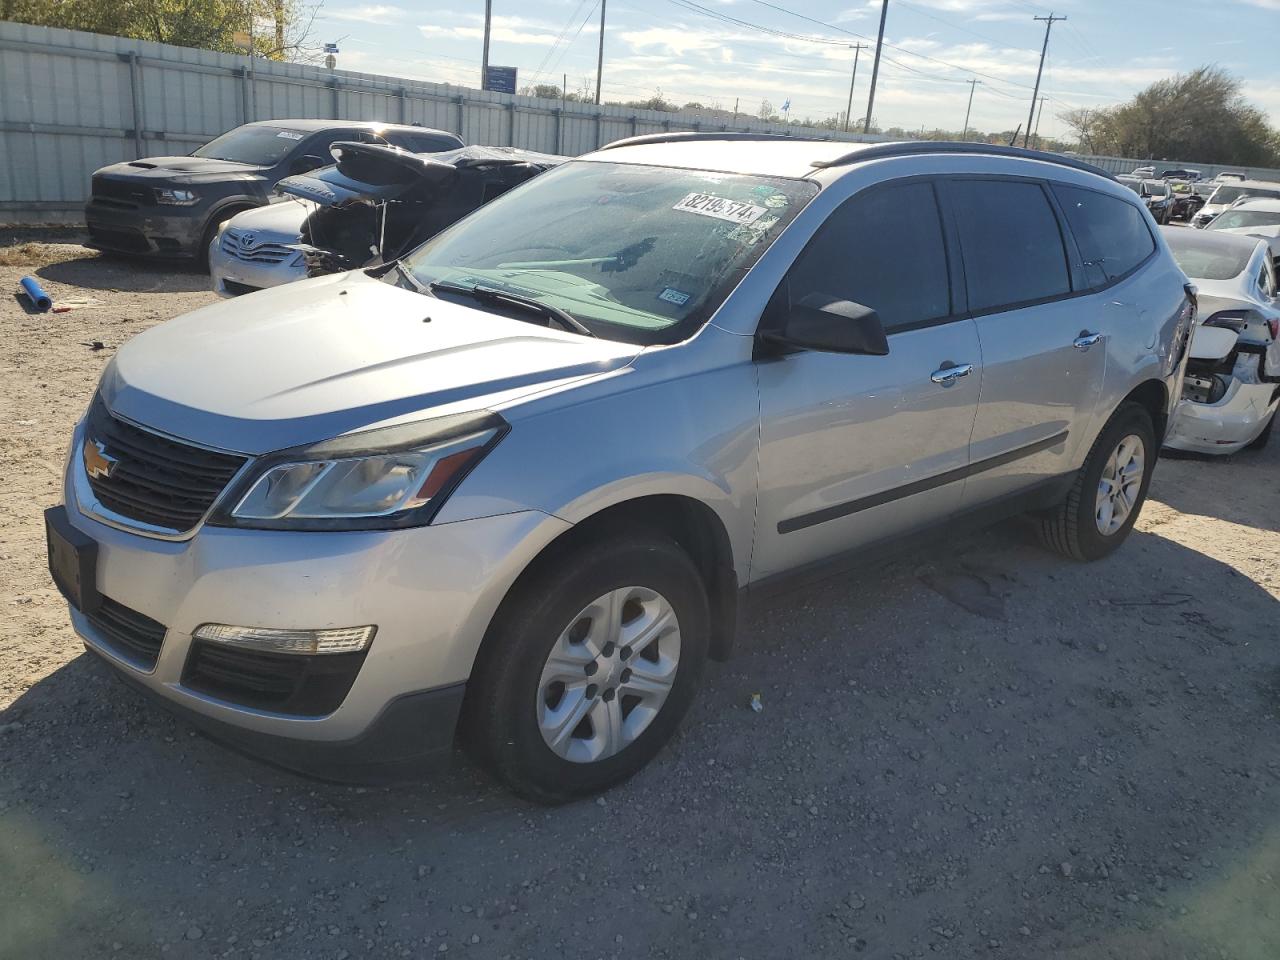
x: 716, y: 52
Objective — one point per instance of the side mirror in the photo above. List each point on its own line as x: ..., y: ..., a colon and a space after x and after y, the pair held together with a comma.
x: 830, y: 325
x: 306, y: 163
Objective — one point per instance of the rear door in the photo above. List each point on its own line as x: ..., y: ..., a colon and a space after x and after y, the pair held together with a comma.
x: 1043, y: 349
x: 855, y: 449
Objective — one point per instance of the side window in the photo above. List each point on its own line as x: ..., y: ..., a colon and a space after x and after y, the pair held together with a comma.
x: 1112, y: 235
x: 1264, y: 281
x: 1013, y: 250
x: 883, y: 249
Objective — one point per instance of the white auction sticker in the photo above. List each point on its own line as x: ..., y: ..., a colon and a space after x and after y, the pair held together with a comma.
x: 289, y: 135
x: 708, y: 205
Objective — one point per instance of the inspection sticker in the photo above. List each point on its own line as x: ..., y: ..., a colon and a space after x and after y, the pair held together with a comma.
x: 672, y: 295
x: 708, y: 205
x: 289, y: 135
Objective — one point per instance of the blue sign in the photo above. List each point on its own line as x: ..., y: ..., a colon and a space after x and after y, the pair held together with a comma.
x: 330, y: 48
x: 500, y: 79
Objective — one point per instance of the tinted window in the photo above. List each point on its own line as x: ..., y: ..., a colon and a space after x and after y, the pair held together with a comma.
x: 883, y: 249
x: 1112, y: 234
x: 1013, y: 249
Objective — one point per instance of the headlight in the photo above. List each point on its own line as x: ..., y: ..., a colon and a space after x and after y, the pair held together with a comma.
x: 350, y: 484
x: 177, y: 198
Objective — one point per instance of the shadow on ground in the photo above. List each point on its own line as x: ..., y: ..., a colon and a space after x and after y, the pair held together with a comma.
x: 980, y: 753
x: 130, y: 275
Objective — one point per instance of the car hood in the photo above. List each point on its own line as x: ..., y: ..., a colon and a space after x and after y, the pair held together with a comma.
x: 279, y: 222
x: 179, y: 170
x: 320, y: 358
x: 1269, y: 233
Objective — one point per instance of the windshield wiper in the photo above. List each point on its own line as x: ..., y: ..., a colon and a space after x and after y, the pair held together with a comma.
x: 417, y: 285
x: 493, y: 295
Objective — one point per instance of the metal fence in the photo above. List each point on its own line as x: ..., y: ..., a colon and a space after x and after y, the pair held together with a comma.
x: 1207, y: 170
x: 72, y: 102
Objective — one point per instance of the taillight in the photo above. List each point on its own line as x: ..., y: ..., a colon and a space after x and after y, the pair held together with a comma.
x: 1275, y: 328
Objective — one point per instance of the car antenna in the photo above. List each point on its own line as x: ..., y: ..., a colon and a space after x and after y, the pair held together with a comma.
x: 1014, y: 138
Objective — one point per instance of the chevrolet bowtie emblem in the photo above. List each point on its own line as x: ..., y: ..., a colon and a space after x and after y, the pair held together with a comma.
x: 96, y: 462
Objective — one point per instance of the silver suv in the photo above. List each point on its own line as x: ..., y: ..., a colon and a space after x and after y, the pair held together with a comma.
x: 513, y: 487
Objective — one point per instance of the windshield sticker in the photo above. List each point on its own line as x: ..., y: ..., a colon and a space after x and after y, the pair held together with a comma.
x: 751, y: 233
x: 777, y: 201
x: 289, y: 135
x: 721, y: 208
x: 672, y: 295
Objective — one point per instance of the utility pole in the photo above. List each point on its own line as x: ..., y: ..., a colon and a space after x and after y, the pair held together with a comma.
x: 484, y: 59
x: 1036, y: 134
x: 600, y: 58
x: 1049, y: 21
x: 969, y: 109
x: 875, y: 67
x: 848, y: 113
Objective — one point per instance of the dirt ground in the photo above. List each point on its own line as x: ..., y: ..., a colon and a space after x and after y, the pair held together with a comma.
x: 977, y: 751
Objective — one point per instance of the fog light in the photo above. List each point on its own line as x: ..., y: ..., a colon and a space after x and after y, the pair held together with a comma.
x: 271, y: 640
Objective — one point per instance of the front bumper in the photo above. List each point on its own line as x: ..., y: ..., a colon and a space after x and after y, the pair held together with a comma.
x: 164, y: 232
x: 1224, y: 427
x: 233, y: 276
x: 430, y: 591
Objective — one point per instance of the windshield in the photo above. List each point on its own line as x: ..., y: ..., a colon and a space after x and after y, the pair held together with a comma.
x: 1204, y: 256
x: 1234, y: 219
x: 640, y: 254
x: 1155, y: 188
x: 254, y: 145
x: 1232, y: 194
x: 1134, y: 185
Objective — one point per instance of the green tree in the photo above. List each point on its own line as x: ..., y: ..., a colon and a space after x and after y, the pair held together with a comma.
x: 280, y: 29
x: 1199, y: 116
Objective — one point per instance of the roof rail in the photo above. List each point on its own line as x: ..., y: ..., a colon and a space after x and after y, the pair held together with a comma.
x: 680, y: 136
x: 912, y: 148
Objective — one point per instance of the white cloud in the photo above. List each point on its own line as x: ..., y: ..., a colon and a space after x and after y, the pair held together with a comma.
x: 375, y: 13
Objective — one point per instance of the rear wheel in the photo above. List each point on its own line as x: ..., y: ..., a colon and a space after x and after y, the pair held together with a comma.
x: 588, y: 669
x: 1104, y: 501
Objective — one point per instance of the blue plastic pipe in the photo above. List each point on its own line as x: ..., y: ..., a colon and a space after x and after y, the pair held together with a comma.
x: 36, y: 294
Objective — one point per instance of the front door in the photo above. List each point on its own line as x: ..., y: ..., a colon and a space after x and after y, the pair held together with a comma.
x: 854, y: 449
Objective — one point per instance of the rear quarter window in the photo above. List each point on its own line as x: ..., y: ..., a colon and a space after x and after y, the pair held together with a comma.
x: 1112, y: 235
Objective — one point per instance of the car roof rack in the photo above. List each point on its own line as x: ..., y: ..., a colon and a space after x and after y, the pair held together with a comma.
x: 682, y: 136
x: 869, y: 151
x: 911, y: 148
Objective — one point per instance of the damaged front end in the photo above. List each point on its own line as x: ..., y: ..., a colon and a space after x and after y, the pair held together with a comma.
x: 380, y: 202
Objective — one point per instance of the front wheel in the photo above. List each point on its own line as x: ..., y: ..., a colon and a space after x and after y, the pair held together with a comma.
x: 588, y: 668
x: 1104, y: 501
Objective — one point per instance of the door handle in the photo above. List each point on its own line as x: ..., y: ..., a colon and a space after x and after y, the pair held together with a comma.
x: 1086, y: 340
x: 949, y: 375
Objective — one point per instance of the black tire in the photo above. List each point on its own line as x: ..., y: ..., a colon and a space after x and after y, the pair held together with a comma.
x: 500, y: 725
x: 210, y: 231
x: 1261, y: 440
x: 1070, y: 528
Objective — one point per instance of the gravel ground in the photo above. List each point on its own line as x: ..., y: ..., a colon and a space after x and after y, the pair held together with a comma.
x: 981, y: 751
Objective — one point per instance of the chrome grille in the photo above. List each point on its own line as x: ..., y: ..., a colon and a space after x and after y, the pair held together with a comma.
x: 245, y: 247
x: 155, y: 480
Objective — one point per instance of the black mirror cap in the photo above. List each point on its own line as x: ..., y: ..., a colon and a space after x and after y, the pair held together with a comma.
x: 831, y: 325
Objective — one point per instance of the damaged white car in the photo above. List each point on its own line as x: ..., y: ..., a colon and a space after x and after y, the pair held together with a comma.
x: 1232, y: 384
